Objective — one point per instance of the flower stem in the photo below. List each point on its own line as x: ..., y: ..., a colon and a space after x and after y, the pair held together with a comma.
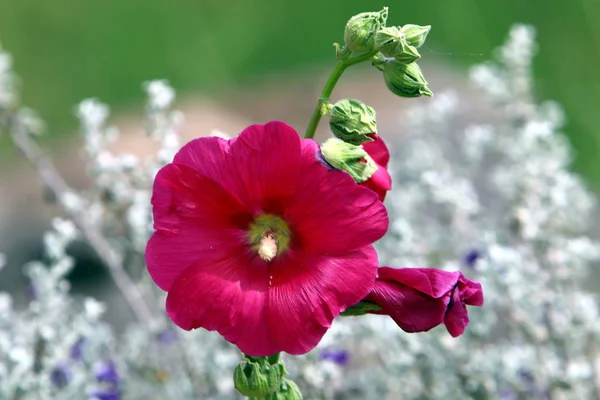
x: 328, y: 89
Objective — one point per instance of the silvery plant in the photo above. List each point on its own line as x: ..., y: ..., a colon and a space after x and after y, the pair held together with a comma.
x: 493, y: 199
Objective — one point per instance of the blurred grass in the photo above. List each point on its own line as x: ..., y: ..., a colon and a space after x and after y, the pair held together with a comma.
x: 67, y: 50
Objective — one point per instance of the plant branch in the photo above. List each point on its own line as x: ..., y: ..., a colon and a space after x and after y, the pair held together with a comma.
x: 96, y: 239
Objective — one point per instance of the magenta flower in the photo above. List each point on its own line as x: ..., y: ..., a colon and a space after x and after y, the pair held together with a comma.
x: 381, y: 181
x: 257, y: 240
x: 419, y: 299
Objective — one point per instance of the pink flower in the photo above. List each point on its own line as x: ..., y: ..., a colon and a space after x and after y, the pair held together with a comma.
x: 419, y: 299
x: 257, y: 240
x: 381, y: 181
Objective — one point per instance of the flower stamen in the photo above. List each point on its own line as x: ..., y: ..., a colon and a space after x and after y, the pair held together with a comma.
x: 269, y: 236
x: 267, y: 248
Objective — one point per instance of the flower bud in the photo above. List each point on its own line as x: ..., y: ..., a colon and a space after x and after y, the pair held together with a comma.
x: 350, y: 158
x: 405, y: 80
x: 415, y: 34
x: 257, y: 378
x: 360, y: 30
x: 352, y: 120
x: 389, y: 41
x: 288, y: 390
x: 408, y: 55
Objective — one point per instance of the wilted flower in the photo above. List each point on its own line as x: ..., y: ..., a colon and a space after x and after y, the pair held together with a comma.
x: 419, y: 299
x: 253, y: 236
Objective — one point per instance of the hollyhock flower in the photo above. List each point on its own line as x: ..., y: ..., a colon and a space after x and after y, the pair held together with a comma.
x: 381, y: 181
x: 257, y: 240
x: 419, y: 299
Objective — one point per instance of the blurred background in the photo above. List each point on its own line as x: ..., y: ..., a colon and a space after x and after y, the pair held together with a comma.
x: 67, y: 50
x: 247, y: 61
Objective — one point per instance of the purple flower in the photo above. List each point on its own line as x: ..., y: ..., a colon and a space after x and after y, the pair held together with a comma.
x: 508, y: 394
x: 111, y: 394
x: 106, y: 371
x: 339, y: 357
x: 471, y: 257
x: 167, y: 336
x: 60, y: 376
x: 76, y: 352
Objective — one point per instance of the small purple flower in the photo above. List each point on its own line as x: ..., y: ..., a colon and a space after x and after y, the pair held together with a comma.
x: 111, y: 394
x: 76, y: 352
x: 60, y: 376
x: 471, y: 257
x: 339, y: 357
x: 507, y: 394
x: 32, y: 291
x: 167, y: 336
x: 106, y: 371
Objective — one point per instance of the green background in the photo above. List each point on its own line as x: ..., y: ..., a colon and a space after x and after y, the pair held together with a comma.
x: 67, y: 50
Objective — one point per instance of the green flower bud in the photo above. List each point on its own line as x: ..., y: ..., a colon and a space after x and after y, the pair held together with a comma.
x: 258, y: 378
x: 389, y: 41
x: 360, y: 30
x: 288, y: 390
x: 379, y: 61
x: 408, y: 55
x: 350, y: 158
x: 415, y: 34
x: 351, y: 120
x: 405, y: 80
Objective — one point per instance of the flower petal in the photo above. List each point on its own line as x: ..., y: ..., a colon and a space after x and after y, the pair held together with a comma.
x: 430, y: 281
x: 267, y: 160
x: 378, y: 150
x: 412, y: 310
x: 457, y: 317
x: 193, y: 216
x: 260, y: 166
x: 228, y: 297
x: 330, y: 213
x: 380, y: 182
x: 307, y: 293
x: 472, y: 292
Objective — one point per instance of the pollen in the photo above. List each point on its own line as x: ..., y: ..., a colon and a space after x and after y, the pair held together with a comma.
x: 267, y: 248
x: 269, y: 236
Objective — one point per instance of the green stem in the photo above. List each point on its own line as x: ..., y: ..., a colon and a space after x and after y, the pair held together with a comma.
x: 328, y: 89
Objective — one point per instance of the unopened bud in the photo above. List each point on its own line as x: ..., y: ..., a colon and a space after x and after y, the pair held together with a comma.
x: 405, y: 80
x: 257, y: 378
x: 389, y: 41
x: 415, y: 34
x: 409, y: 54
x: 352, y: 120
x: 288, y: 390
x: 350, y: 158
x: 361, y: 29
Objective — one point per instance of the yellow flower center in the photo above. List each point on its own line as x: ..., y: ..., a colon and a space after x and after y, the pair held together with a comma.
x: 269, y: 236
